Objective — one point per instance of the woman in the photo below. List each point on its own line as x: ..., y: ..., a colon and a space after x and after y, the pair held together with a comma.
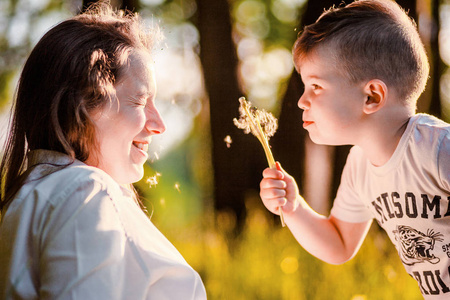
x: 84, y: 115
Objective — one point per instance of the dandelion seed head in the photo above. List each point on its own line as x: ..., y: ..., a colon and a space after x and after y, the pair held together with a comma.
x: 269, y: 124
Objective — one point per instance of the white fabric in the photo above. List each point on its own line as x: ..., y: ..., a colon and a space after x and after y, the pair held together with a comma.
x: 74, y: 233
x: 409, y: 196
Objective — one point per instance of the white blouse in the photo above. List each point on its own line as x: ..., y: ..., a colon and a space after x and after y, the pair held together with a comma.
x: 73, y: 233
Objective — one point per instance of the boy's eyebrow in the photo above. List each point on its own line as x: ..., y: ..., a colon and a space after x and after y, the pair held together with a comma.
x: 312, y: 77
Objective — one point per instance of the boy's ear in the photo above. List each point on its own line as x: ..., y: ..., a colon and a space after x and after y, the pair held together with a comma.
x: 376, y: 96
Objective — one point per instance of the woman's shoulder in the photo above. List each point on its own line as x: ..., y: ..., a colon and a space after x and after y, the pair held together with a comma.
x: 58, y: 178
x: 57, y: 169
x: 80, y: 173
x: 54, y: 178
x: 55, y: 195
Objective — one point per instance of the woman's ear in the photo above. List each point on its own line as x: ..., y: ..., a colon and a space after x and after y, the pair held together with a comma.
x: 376, y: 96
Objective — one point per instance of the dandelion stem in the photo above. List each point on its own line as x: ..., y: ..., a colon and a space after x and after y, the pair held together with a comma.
x: 257, y: 130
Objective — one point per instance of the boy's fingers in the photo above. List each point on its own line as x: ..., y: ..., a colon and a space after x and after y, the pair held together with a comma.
x: 272, y: 173
x: 272, y: 193
x: 274, y: 205
x: 272, y: 184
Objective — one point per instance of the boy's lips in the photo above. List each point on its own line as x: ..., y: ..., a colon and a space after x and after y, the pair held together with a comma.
x: 307, y: 123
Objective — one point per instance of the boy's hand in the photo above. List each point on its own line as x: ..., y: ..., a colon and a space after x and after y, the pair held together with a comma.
x: 278, y: 188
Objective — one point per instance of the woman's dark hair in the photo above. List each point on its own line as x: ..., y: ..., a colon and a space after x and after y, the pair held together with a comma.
x: 69, y: 73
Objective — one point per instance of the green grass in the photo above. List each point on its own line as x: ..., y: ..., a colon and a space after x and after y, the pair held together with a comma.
x: 265, y: 262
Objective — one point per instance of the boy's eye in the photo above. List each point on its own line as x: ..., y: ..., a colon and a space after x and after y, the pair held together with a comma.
x: 315, y: 86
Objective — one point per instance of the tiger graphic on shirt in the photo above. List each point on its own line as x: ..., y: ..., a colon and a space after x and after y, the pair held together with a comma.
x: 414, y: 246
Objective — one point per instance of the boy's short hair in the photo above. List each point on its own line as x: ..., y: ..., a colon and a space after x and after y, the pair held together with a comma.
x: 372, y: 39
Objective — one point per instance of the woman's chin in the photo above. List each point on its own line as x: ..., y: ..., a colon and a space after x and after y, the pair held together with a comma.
x: 133, y: 175
x: 137, y: 175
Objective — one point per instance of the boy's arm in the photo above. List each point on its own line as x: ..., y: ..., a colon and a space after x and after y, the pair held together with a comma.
x: 329, y: 239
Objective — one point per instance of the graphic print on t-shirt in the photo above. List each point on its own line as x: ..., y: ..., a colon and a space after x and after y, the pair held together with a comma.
x: 414, y: 246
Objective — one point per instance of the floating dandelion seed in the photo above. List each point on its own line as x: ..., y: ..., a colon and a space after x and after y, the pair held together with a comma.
x: 155, y: 155
x: 153, y: 180
x: 228, y: 141
x: 177, y: 187
x: 261, y: 124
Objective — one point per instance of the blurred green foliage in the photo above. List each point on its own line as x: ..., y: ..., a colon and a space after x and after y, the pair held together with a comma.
x: 6, y: 77
x: 263, y: 261
x: 22, y: 23
x: 272, y: 21
x: 266, y: 262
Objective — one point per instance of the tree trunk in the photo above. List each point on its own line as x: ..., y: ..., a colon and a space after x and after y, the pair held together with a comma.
x: 437, y: 65
x: 236, y: 168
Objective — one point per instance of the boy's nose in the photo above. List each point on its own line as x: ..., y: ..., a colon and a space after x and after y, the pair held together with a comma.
x: 302, y: 102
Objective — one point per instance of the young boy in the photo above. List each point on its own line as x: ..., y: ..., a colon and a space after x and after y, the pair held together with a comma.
x: 364, y: 66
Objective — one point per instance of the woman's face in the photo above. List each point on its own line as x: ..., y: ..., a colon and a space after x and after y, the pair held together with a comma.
x: 125, y: 125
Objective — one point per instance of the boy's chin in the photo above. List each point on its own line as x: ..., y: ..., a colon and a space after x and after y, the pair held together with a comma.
x: 320, y: 140
x: 317, y: 140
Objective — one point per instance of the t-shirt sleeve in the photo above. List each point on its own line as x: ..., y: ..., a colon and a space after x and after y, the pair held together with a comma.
x: 348, y: 206
x: 444, y: 163
x: 83, y: 246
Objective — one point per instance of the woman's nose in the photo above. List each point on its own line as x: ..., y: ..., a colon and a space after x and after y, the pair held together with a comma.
x: 155, y: 123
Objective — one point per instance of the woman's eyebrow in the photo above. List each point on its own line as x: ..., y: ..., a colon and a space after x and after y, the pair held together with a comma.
x: 143, y: 94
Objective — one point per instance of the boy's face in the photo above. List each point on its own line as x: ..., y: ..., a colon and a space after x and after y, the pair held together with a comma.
x: 333, y: 107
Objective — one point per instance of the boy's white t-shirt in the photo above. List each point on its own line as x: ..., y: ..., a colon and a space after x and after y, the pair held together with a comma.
x: 76, y: 234
x: 409, y: 196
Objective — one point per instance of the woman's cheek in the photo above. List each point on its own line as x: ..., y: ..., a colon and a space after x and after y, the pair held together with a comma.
x: 135, y: 119
x: 139, y: 120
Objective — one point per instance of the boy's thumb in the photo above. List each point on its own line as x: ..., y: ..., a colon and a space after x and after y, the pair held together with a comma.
x: 278, y: 165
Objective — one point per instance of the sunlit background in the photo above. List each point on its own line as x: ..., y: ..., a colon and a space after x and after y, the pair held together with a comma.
x: 260, y: 260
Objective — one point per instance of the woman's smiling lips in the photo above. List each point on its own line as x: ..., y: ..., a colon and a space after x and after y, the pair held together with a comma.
x: 142, y: 146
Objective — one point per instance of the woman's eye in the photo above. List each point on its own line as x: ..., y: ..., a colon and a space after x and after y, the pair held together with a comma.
x: 140, y: 102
